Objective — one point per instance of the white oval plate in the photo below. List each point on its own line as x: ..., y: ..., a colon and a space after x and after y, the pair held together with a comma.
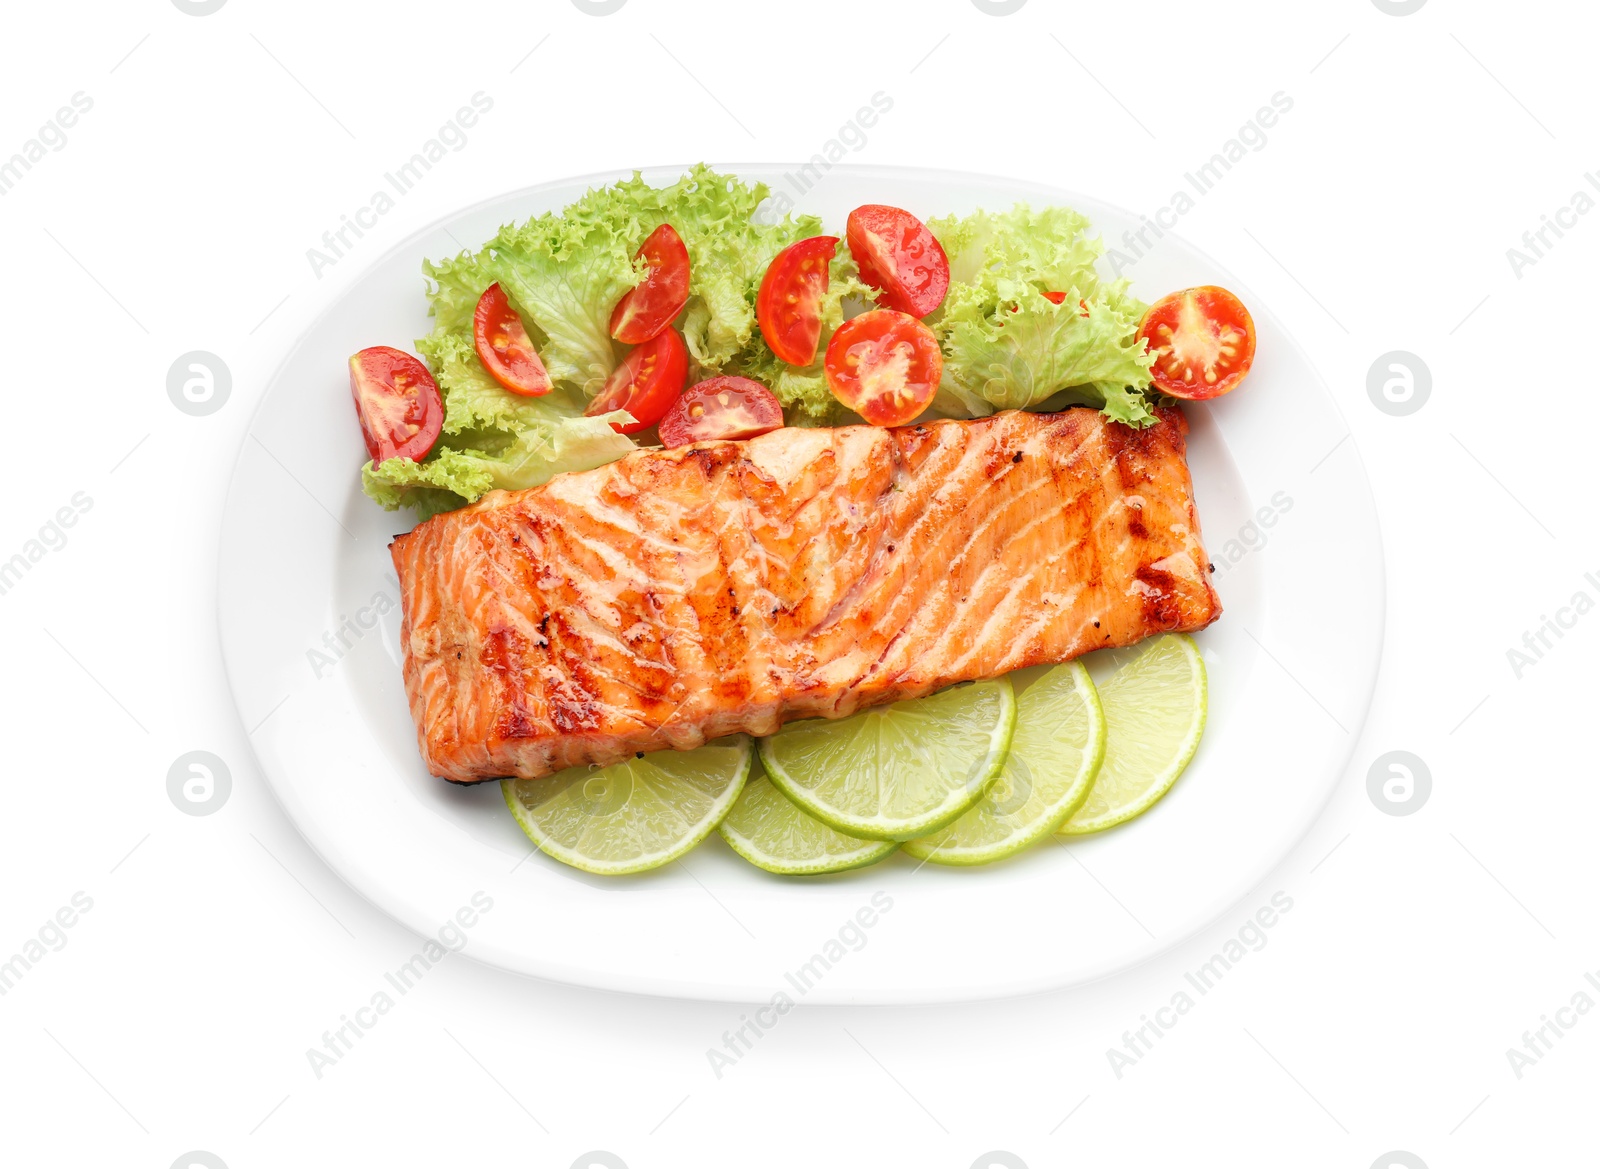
x: 309, y: 632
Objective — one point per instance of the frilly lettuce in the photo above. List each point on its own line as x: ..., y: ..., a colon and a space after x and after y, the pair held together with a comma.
x: 452, y: 476
x: 564, y: 274
x: 1006, y: 346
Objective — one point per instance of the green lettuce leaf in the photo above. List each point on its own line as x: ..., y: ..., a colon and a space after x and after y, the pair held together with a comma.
x: 1022, y: 358
x: 451, y: 477
x: 1006, y: 346
x: 564, y: 274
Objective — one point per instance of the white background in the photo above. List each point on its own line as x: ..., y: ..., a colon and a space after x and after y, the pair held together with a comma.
x: 1377, y: 217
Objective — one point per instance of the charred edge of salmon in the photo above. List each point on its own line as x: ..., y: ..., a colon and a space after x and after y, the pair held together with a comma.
x: 1161, y: 608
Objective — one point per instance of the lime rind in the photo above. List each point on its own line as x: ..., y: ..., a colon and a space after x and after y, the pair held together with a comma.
x: 1155, y: 708
x: 767, y: 829
x: 898, y: 771
x: 1056, y: 752
x: 634, y: 815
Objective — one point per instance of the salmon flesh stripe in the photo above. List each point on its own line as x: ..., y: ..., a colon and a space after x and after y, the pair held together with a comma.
x: 678, y: 596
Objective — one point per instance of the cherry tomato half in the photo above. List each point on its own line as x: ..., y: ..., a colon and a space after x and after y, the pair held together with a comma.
x: 398, y: 403
x: 899, y: 257
x: 646, y: 383
x: 504, y: 346
x: 721, y: 407
x: 789, y: 305
x: 1203, y: 339
x: 884, y: 365
x: 653, y: 303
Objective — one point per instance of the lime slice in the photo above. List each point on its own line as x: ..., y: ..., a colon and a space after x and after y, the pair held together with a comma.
x: 1155, y: 712
x: 766, y: 828
x: 1055, y: 755
x: 899, y: 771
x: 634, y: 815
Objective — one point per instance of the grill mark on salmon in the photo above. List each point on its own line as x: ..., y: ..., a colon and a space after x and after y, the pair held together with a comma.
x: 678, y: 596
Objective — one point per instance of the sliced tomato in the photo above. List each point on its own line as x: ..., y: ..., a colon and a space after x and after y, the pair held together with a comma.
x: 789, y: 305
x: 898, y: 256
x: 721, y: 407
x: 398, y: 403
x: 884, y: 365
x: 646, y: 383
x: 1203, y: 339
x: 504, y: 346
x: 655, y: 302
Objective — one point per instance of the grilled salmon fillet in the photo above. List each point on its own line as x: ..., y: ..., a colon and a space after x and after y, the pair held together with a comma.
x: 677, y: 596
